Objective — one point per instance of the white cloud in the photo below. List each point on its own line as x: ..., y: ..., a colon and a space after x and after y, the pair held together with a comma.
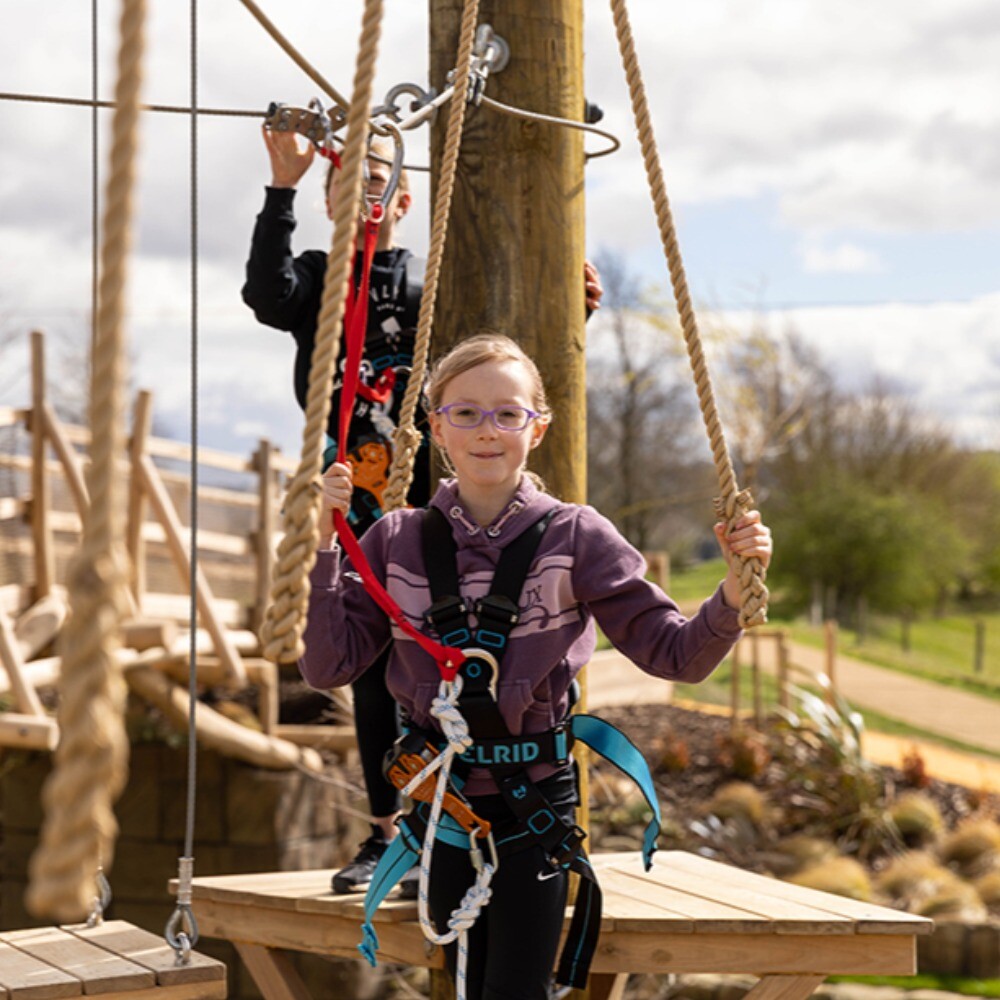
x: 843, y: 258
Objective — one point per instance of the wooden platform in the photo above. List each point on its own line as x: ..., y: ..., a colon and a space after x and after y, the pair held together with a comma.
x: 114, y: 960
x: 686, y: 915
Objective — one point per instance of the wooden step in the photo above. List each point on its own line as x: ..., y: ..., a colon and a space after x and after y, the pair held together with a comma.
x: 114, y: 960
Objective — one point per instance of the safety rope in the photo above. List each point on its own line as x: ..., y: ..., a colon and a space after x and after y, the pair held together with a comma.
x: 91, y: 761
x: 733, y: 502
x: 407, y: 438
x: 281, y: 634
x: 456, y: 731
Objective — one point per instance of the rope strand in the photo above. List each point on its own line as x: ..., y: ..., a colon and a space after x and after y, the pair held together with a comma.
x: 91, y: 761
x: 733, y: 502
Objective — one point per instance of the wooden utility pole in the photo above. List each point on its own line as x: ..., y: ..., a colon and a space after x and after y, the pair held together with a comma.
x: 513, y: 262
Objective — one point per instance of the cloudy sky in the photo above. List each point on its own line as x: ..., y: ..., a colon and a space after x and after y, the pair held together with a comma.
x: 835, y: 165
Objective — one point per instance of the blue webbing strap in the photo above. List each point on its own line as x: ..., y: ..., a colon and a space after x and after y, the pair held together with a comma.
x: 615, y: 746
x: 400, y: 856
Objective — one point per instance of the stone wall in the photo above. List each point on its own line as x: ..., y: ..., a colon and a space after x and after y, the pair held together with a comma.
x: 247, y: 820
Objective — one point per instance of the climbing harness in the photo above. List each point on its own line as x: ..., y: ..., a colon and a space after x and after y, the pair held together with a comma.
x: 493, y: 747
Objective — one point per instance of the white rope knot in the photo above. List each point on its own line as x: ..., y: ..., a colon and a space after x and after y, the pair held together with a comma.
x: 477, y: 896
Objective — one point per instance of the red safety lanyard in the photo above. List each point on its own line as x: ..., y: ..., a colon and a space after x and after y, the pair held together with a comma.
x: 448, y: 658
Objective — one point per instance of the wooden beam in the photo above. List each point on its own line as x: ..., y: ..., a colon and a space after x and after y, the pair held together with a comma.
x: 37, y: 626
x: 167, y: 516
x: 785, y: 988
x: 28, y: 732
x: 142, y: 418
x: 71, y: 464
x: 214, y: 729
x: 264, y: 540
x: 13, y: 663
x: 41, y: 489
x: 273, y: 972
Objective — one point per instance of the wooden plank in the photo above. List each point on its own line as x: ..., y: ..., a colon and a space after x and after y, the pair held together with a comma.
x: 150, y: 952
x: 264, y: 533
x: 712, y: 884
x: 99, y: 970
x: 757, y: 954
x: 26, y: 978
x: 37, y: 626
x: 11, y: 508
x: 868, y: 918
x: 329, y: 737
x: 273, y: 972
x: 10, y: 415
x: 784, y: 988
x: 632, y: 901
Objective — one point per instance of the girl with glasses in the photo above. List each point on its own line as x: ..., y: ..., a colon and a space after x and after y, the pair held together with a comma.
x: 488, y: 412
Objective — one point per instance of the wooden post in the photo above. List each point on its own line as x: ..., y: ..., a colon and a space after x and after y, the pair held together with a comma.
x: 758, y: 700
x: 41, y: 490
x: 979, y: 657
x: 734, y: 690
x: 264, y: 535
x: 72, y: 466
x: 783, y: 699
x: 515, y: 251
x: 142, y: 418
x: 830, y: 638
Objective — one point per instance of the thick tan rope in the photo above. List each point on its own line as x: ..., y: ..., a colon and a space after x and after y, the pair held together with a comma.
x: 732, y: 503
x: 407, y: 438
x: 91, y: 761
x: 281, y: 634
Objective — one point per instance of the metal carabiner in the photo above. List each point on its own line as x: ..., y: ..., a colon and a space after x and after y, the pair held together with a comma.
x: 476, y: 855
x: 368, y: 205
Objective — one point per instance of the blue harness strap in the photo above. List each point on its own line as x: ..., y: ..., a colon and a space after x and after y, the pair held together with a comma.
x: 400, y: 856
x: 616, y: 747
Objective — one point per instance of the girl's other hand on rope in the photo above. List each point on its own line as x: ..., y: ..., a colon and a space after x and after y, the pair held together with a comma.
x: 593, y: 288
x: 749, y: 539
x: 338, y: 485
x: 290, y: 156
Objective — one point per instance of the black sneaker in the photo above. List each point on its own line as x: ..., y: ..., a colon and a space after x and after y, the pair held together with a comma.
x: 409, y: 884
x: 358, y: 873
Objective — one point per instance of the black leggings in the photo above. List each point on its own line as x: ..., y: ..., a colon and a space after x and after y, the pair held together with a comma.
x: 513, y: 944
x: 376, y: 723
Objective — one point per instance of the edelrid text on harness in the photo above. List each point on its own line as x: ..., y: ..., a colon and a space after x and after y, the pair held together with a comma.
x: 507, y: 757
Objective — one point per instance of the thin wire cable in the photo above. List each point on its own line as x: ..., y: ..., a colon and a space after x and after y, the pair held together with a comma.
x: 95, y: 194
x: 93, y: 102
x: 193, y: 653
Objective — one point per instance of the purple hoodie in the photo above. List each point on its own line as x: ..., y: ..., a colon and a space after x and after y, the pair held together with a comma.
x: 583, y: 571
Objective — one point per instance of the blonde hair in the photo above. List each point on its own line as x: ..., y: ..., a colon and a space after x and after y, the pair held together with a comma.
x: 477, y: 350
x: 381, y: 149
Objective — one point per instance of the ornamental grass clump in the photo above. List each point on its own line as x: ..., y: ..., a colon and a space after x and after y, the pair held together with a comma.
x: 798, y: 852
x: 842, y: 876
x: 739, y: 801
x: 972, y: 848
x: 913, y: 878
x: 917, y: 819
x: 988, y: 889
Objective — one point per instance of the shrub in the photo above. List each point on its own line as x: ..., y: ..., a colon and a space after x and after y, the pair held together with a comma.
x: 843, y: 876
x: 671, y: 754
x: 917, y: 818
x: 956, y: 901
x: 914, y: 769
x: 743, y: 753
